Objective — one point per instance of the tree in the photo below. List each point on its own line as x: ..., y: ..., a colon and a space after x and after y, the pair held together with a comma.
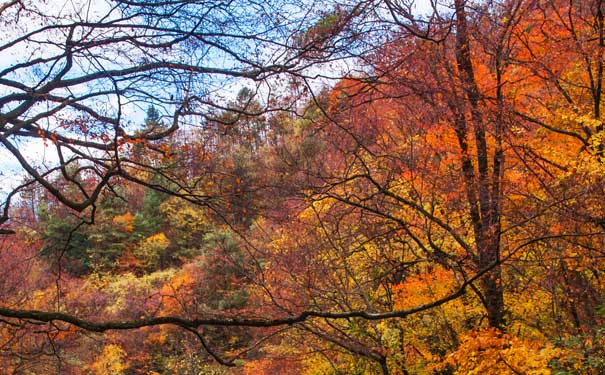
x: 446, y: 96
x: 417, y: 196
x: 432, y: 149
x: 81, y: 72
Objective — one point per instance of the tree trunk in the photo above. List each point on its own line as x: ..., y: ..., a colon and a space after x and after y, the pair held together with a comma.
x: 483, y: 191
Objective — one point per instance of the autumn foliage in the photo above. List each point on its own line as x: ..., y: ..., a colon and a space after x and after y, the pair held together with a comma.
x: 437, y: 211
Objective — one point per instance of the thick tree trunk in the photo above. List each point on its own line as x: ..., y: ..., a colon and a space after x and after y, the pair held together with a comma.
x: 483, y: 191
x: 493, y: 294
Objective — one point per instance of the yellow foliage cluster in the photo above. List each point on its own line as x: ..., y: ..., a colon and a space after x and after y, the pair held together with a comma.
x: 491, y: 352
x: 159, y: 239
x: 111, y: 361
x: 150, y: 250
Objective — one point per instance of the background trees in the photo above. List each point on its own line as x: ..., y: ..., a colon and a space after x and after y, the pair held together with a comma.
x: 436, y: 209
x: 76, y: 77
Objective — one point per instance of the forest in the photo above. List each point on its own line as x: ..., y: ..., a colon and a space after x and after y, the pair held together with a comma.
x: 274, y: 187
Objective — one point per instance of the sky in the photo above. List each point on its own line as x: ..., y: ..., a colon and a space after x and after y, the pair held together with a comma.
x: 36, y: 151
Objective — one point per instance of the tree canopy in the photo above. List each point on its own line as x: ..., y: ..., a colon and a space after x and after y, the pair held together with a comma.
x: 363, y: 187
